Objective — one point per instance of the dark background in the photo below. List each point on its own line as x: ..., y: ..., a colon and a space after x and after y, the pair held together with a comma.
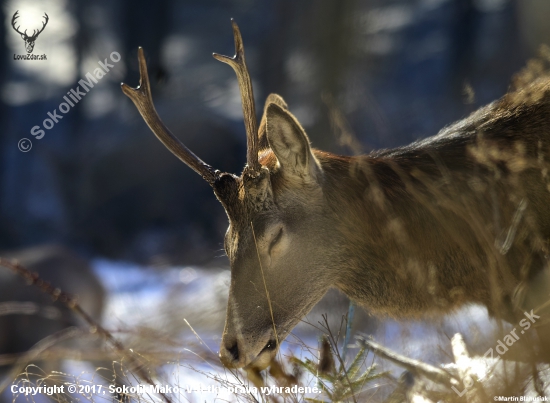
x: 386, y: 72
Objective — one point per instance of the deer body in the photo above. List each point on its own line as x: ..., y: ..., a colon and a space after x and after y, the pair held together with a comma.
x: 31, y: 321
x: 462, y: 217
x: 402, y: 219
x: 61, y: 267
x: 29, y: 316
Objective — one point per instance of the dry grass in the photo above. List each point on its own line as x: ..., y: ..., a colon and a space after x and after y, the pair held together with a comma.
x: 165, y: 361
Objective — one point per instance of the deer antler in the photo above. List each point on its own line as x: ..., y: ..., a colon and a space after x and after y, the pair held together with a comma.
x: 34, y: 33
x: 141, y: 96
x: 43, y: 26
x: 15, y: 16
x: 247, y: 97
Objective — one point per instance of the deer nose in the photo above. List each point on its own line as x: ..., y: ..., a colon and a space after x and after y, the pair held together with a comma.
x: 234, y: 351
x: 229, y: 354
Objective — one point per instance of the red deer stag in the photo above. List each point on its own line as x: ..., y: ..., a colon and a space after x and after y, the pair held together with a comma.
x: 461, y: 217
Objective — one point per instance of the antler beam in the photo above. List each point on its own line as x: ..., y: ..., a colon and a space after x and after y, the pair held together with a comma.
x: 247, y: 98
x: 16, y: 16
x: 45, y: 16
x: 34, y: 33
x: 141, y: 96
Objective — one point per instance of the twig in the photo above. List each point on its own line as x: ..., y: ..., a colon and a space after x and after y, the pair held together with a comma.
x: 71, y: 302
x: 342, y: 365
x: 265, y: 286
x: 414, y: 366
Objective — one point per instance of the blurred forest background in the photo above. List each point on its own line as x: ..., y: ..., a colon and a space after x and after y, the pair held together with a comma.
x: 388, y: 71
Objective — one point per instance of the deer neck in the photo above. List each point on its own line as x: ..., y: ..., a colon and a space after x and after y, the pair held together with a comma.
x: 391, y: 248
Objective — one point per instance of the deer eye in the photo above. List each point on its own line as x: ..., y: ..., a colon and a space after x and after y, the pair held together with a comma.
x: 275, y: 240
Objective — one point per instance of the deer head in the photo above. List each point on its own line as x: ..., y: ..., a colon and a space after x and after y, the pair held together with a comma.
x: 273, y: 282
x: 29, y: 40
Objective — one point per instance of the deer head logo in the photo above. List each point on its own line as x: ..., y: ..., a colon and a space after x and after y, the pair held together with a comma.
x: 29, y: 39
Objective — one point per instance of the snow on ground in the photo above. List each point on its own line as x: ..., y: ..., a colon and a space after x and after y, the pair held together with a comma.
x: 163, y: 300
x: 141, y: 296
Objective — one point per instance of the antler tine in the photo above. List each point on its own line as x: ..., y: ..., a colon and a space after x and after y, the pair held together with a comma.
x: 16, y: 16
x: 141, y: 96
x: 247, y: 98
x: 45, y: 22
x: 34, y: 31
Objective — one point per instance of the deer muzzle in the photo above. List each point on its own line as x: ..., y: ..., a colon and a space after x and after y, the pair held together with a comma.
x: 236, y: 353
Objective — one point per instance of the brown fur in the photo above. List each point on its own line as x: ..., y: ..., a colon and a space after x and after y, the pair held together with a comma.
x: 461, y: 217
x: 391, y: 234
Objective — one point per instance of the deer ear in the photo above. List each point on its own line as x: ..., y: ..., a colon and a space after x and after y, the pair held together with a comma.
x: 275, y: 99
x: 262, y: 134
x: 290, y: 144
